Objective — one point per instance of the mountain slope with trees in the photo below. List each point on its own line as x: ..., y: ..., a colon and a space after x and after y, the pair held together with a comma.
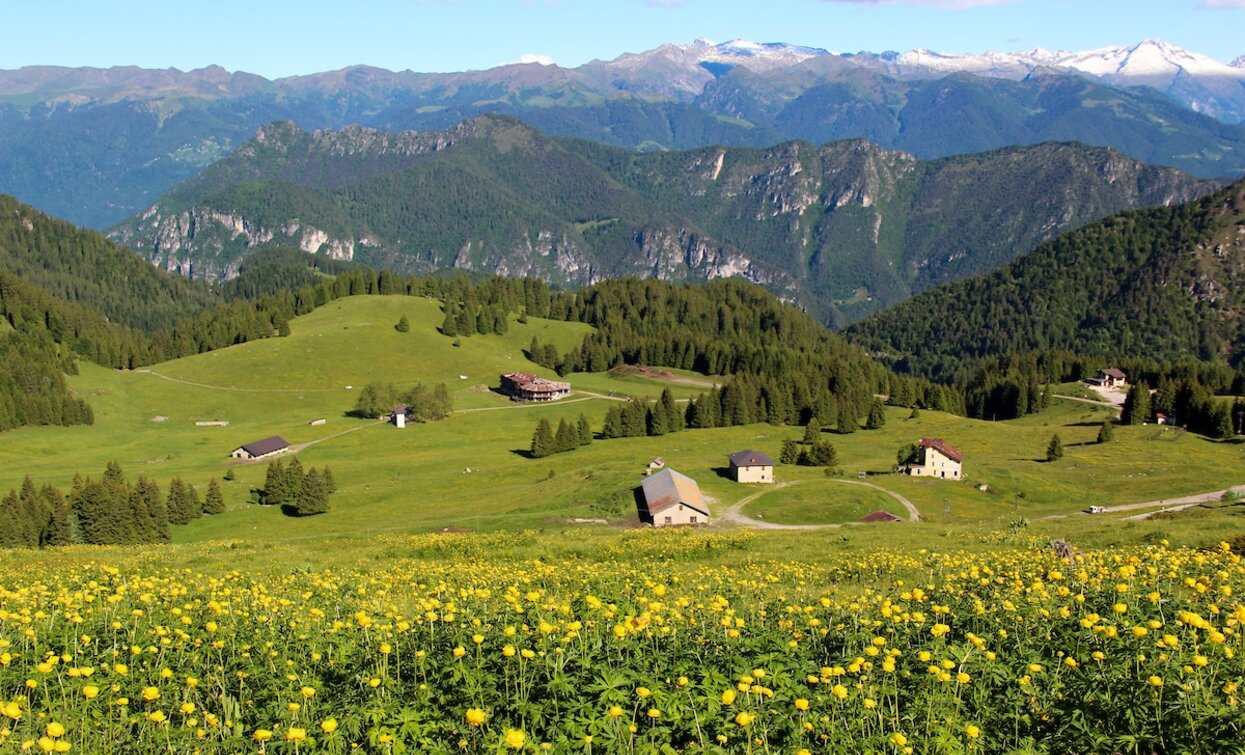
x: 1162, y: 284
x: 843, y: 229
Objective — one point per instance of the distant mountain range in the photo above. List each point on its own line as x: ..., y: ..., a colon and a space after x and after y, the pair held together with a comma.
x: 1165, y: 283
x: 97, y: 145
x: 843, y: 229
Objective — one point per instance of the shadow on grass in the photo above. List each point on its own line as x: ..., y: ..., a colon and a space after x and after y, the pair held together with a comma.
x: 723, y: 472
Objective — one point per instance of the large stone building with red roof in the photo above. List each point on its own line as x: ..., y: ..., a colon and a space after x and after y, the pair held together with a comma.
x: 936, y: 458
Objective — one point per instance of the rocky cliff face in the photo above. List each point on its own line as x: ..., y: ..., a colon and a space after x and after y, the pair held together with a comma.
x: 842, y: 229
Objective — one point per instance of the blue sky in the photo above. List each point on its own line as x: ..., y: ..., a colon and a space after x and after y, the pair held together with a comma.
x: 284, y: 37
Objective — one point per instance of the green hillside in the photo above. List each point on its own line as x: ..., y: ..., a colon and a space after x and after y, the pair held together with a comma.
x: 1162, y: 284
x: 844, y: 228
x: 416, y: 479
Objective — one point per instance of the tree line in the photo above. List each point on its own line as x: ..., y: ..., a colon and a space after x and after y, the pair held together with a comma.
x: 298, y: 491
x: 569, y: 436
x: 104, y: 511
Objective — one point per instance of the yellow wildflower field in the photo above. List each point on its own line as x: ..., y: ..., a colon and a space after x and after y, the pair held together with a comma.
x: 649, y: 642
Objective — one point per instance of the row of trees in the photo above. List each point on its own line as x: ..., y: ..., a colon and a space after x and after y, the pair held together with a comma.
x: 299, y: 492
x: 1186, y: 402
x: 546, y: 442
x: 107, y: 511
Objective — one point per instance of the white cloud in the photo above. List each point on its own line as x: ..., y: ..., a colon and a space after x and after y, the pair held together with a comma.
x: 531, y: 57
x: 957, y: 4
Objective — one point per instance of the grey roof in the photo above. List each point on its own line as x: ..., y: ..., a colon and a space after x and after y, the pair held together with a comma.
x: 750, y: 458
x: 668, y: 488
x: 266, y: 446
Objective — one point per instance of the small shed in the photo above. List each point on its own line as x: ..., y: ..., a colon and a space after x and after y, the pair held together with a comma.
x: 669, y: 498
x: 751, y: 466
x: 881, y: 516
x: 261, y: 448
x: 399, y: 415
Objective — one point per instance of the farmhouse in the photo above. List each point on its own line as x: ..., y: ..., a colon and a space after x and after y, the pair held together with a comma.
x: 1108, y: 378
x: 936, y: 458
x: 669, y: 498
x: 522, y: 386
x: 261, y: 448
x: 881, y: 516
x: 751, y: 466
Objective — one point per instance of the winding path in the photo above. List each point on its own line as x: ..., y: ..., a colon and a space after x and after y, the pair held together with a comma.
x: 1165, y: 504
x: 734, y: 512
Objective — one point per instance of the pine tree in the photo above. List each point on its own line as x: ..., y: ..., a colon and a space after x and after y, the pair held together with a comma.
x: 1137, y: 405
x: 295, y: 478
x: 566, y: 438
x: 403, y: 326
x: 329, y: 483
x: 1054, y: 450
x: 790, y: 452
x: 877, y: 416
x: 60, y: 530
x: 674, y: 417
x: 582, y: 427
x: 180, y: 511
x: 449, y: 326
x: 823, y: 454
x: 613, y: 427
x: 1106, y: 433
x: 543, y: 443
x: 275, y: 491
x: 313, y: 497
x: 214, y: 501
x: 812, y: 432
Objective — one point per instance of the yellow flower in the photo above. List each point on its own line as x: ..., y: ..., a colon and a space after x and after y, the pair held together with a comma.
x: 744, y: 718
x: 295, y: 734
x: 654, y: 713
x: 476, y: 716
x: 643, y: 692
x: 801, y: 704
x: 515, y: 739
x: 188, y: 708
x: 150, y: 694
x: 728, y: 697
x: 308, y: 692
x: 1155, y: 681
x: 12, y: 710
x: 328, y: 725
x: 615, y: 711
x: 156, y: 717
x: 460, y: 651
x: 898, y: 739
x: 90, y: 691
x: 262, y: 735
x: 55, y: 730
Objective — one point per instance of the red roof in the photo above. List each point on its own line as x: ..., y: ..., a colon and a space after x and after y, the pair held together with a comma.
x: 881, y: 516
x: 943, y: 448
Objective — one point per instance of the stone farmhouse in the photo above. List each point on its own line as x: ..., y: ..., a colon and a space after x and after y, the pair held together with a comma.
x: 751, y: 466
x: 669, y: 498
x: 523, y: 386
x: 936, y: 458
x: 261, y: 449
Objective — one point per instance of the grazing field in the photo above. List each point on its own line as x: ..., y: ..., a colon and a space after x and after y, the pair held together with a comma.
x: 472, y: 471
x: 821, y: 502
x: 637, y: 641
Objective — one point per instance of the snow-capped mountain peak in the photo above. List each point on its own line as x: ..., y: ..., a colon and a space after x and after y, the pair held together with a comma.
x: 1239, y: 62
x: 1150, y: 58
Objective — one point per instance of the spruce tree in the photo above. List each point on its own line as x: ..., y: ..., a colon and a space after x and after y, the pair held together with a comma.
x: 823, y: 454
x: 1106, y: 433
x: 566, y: 439
x: 313, y: 496
x: 449, y: 326
x: 542, y: 440
x: 1137, y: 405
x: 1054, y: 450
x: 214, y: 501
x: 295, y: 478
x: 790, y: 452
x: 583, y: 429
x: 60, y: 530
x: 613, y: 427
x: 403, y: 326
x: 877, y: 416
x: 812, y: 432
x: 275, y: 491
x: 329, y: 483
x: 674, y: 417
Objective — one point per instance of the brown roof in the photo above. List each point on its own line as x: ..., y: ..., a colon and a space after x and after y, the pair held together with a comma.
x: 266, y: 446
x: 943, y: 448
x: 530, y: 382
x: 749, y: 458
x: 881, y: 516
x: 1114, y: 373
x: 668, y: 488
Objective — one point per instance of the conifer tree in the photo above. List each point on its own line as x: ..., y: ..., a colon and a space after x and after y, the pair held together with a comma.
x: 790, y: 452
x: 613, y: 427
x: 329, y: 483
x: 275, y: 491
x: 822, y: 454
x: 877, y: 416
x: 1106, y: 433
x: 295, y: 478
x: 1137, y: 405
x: 60, y: 530
x: 566, y: 439
x: 674, y: 417
x: 542, y: 440
x: 1054, y: 450
x: 403, y: 326
x: 214, y: 501
x: 583, y: 429
x: 313, y: 496
x: 812, y: 432
x: 449, y: 326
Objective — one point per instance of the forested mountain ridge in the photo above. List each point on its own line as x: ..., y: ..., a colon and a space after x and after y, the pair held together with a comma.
x: 843, y: 229
x: 1163, y: 283
x: 96, y: 146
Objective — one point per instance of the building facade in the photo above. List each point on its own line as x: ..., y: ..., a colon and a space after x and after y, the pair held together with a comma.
x: 936, y: 458
x: 523, y: 386
x: 261, y: 448
x: 751, y: 466
x: 669, y: 498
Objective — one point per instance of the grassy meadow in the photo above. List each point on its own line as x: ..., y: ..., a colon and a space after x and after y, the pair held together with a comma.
x: 471, y: 471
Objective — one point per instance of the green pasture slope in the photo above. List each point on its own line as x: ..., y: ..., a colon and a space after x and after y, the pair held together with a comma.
x: 471, y: 471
